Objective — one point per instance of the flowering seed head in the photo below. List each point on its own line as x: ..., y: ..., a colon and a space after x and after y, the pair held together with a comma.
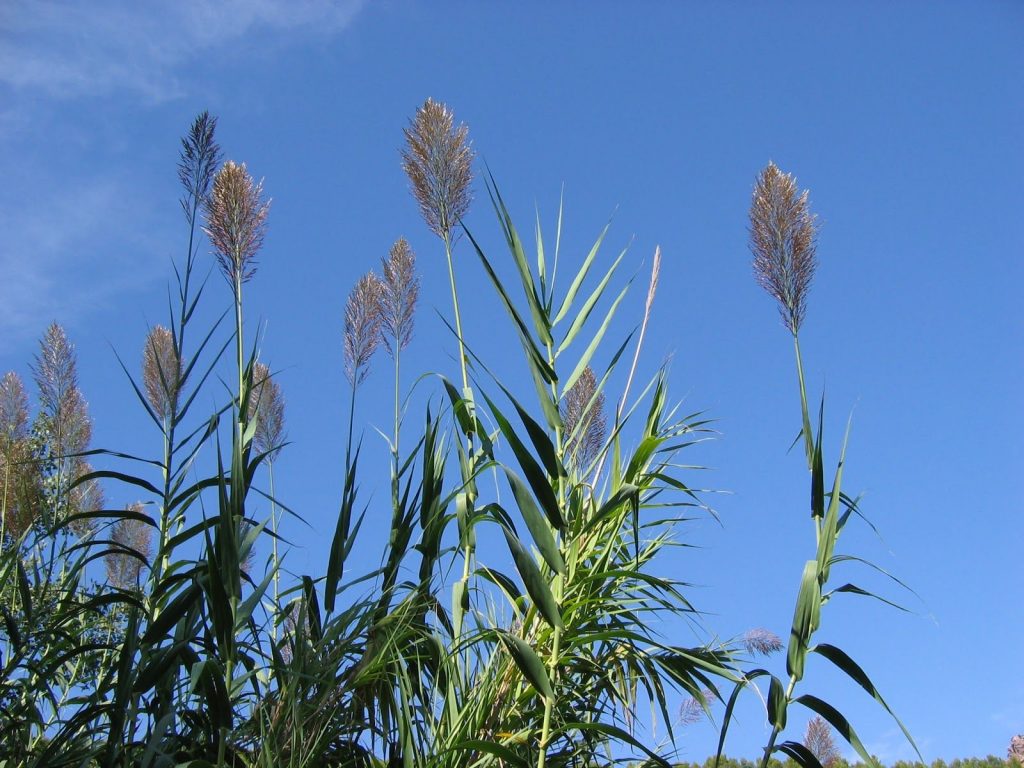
x: 86, y: 496
x: 783, y: 239
x: 761, y: 641
x: 199, y: 156
x: 400, y: 288
x: 161, y: 371
x: 266, y: 405
x: 13, y: 409
x: 584, y: 419
x: 362, y: 326
x: 62, y: 406
x: 133, y: 548
x: 438, y: 160
x: 818, y: 739
x: 236, y: 221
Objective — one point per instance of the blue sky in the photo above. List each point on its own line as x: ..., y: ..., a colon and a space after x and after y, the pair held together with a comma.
x: 903, y: 121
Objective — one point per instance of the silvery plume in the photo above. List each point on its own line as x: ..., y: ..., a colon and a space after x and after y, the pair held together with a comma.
x: 783, y: 239
x: 236, y: 221
x: 438, y: 160
x: 362, y: 327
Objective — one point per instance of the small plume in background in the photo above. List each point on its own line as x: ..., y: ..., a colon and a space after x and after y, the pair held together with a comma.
x: 13, y: 409
x: 1016, y: 749
x: 783, y: 239
x: 20, y: 490
x: 584, y: 419
x: 246, y: 564
x: 400, y: 288
x: 818, y: 739
x: 438, y: 160
x: 61, y: 403
x: 196, y: 162
x: 362, y: 326
x: 236, y: 221
x: 266, y: 405
x: 761, y: 642
x: 161, y: 371
x: 134, y: 548
x: 86, y: 496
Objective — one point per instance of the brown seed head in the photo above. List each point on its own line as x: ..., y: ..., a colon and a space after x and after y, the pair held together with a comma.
x: 783, y: 239
x: 236, y: 221
x: 199, y: 156
x: 818, y: 739
x: 399, y: 290
x: 161, y: 371
x: 438, y: 160
x: 761, y: 641
x: 584, y: 419
x: 133, y: 540
x: 267, y: 406
x: 62, y: 406
x: 362, y: 326
x: 13, y: 409
x: 86, y: 496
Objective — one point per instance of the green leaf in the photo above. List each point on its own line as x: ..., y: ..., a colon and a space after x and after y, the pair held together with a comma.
x: 535, y: 358
x: 803, y: 756
x: 536, y: 584
x: 528, y: 661
x: 536, y: 523
x: 588, y: 353
x: 853, y: 670
x: 837, y: 721
x: 503, y: 753
x: 535, y: 476
x: 588, y: 306
x: 805, y: 619
x: 731, y: 705
x: 541, y: 322
x: 616, y: 733
x: 581, y: 274
x: 776, y: 704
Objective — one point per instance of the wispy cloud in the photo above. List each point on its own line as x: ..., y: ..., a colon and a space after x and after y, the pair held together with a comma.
x: 64, y: 259
x: 892, y: 746
x: 81, y: 225
x: 76, y: 49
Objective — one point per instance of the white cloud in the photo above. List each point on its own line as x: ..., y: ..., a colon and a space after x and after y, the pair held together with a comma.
x: 75, y: 49
x: 71, y: 255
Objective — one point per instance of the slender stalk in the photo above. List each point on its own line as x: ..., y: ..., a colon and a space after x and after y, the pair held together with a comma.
x: 770, y: 747
x: 808, y: 439
x: 273, y: 527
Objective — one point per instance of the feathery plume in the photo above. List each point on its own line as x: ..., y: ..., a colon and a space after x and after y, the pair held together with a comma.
x: 86, y: 496
x: 246, y: 563
x: 761, y: 641
x: 1015, y: 752
x: 692, y: 710
x: 161, y: 371
x: 236, y: 221
x: 362, y: 326
x: 438, y: 160
x: 818, y: 739
x: 266, y: 405
x: 584, y: 419
x: 783, y: 239
x: 400, y: 288
x: 13, y: 408
x: 199, y: 155
x: 129, y: 535
x: 61, y: 403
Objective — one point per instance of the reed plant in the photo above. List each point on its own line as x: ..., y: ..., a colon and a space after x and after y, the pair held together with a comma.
x: 783, y: 241
x: 164, y: 643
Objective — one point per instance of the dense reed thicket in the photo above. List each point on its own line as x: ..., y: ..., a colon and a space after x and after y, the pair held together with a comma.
x: 152, y: 636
